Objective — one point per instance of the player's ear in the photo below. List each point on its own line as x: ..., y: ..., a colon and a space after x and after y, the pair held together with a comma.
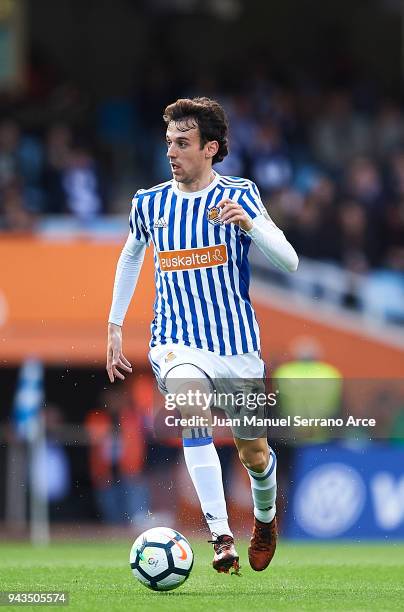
x: 211, y: 148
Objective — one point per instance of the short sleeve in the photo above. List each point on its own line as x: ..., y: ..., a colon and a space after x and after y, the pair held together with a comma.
x: 137, y: 221
x: 252, y: 203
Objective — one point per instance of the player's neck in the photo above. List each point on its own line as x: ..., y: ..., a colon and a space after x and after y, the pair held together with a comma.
x: 198, y: 184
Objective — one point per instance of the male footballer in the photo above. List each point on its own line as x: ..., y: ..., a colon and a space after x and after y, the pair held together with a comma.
x: 204, y: 329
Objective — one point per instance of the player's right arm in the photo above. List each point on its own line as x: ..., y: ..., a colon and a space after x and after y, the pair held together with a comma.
x: 126, y: 277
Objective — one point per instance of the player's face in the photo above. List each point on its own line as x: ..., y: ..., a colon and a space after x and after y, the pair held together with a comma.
x: 187, y: 159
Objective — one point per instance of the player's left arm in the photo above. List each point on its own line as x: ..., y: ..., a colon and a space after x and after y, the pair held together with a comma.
x: 251, y: 216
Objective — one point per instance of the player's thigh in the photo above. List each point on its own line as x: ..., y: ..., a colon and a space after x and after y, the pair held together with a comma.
x: 185, y: 376
x: 241, y: 394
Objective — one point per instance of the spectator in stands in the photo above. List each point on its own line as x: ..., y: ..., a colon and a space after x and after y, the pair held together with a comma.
x: 388, y: 131
x: 244, y: 124
x: 58, y: 146
x: 315, y: 229
x: 353, y: 244
x: 21, y: 160
x: 394, y: 236
x: 364, y: 184
x: 339, y: 133
x: 395, y: 174
x: 83, y: 186
x: 14, y: 216
x: 117, y: 454
x: 270, y: 165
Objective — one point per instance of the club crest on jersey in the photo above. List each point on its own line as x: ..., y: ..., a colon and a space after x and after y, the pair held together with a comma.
x: 160, y: 222
x: 213, y: 215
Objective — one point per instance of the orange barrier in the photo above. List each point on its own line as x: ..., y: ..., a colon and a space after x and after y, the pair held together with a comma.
x: 353, y: 353
x: 57, y: 296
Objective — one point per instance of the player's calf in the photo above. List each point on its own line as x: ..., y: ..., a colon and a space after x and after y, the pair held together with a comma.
x: 260, y: 462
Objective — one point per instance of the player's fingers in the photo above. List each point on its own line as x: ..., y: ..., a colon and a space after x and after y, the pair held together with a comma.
x: 230, y: 207
x: 121, y: 365
x: 109, y: 372
x: 108, y: 367
x: 230, y: 204
x: 234, y: 219
x: 231, y: 214
x: 125, y: 361
x: 117, y: 373
x: 223, y: 202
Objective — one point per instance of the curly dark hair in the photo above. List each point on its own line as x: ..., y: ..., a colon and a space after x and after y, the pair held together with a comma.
x: 208, y: 115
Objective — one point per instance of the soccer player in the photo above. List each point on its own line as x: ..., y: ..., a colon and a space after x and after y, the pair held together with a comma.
x: 201, y: 225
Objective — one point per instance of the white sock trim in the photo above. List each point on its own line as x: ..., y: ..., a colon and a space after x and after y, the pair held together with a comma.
x: 265, y: 516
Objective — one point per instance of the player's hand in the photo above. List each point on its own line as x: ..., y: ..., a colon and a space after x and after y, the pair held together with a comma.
x: 116, y: 360
x: 234, y: 213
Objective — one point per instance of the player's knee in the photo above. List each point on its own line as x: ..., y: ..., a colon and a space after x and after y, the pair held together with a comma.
x: 254, y: 458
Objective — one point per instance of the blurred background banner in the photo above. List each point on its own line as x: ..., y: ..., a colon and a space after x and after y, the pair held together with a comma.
x: 339, y: 492
x: 315, y: 99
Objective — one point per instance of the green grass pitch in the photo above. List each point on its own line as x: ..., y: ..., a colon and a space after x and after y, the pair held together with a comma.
x: 322, y: 577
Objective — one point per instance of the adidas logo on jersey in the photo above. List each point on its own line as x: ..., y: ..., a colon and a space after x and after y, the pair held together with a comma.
x: 160, y: 222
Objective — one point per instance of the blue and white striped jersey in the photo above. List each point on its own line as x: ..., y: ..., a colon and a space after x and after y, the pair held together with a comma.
x: 201, y: 265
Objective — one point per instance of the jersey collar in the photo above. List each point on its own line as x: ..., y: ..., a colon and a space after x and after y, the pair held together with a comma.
x: 197, y: 194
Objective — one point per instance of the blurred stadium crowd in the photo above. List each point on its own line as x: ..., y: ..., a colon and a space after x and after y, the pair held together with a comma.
x: 330, y: 166
x: 329, y: 162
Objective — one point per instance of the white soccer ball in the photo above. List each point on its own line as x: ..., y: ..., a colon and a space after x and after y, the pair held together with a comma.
x: 161, y: 558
